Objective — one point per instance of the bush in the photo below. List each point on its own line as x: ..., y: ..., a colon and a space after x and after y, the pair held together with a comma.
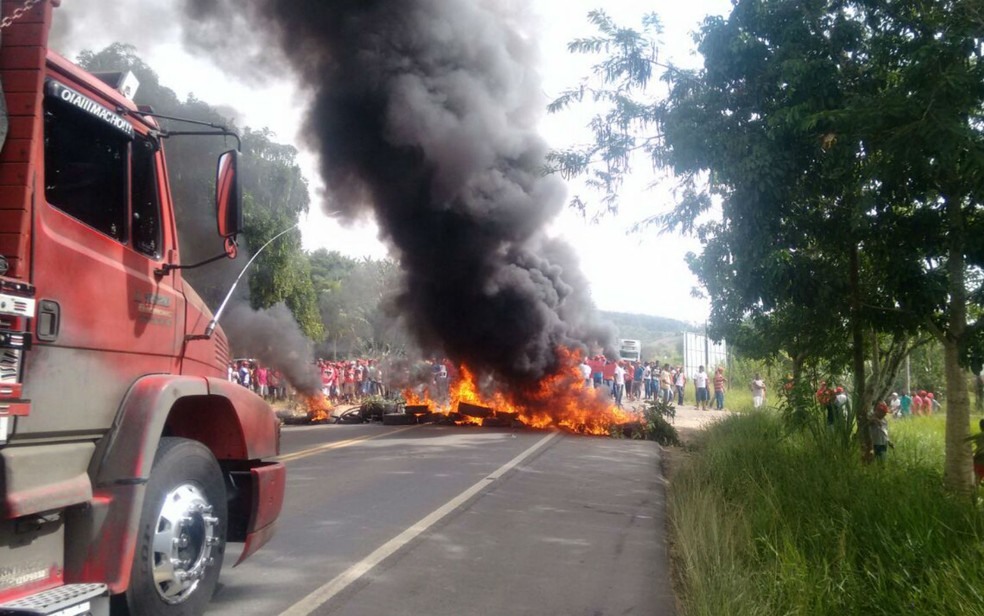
x: 655, y: 425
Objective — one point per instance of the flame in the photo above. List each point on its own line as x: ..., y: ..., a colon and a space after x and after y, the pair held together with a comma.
x: 558, y: 400
x: 318, y: 407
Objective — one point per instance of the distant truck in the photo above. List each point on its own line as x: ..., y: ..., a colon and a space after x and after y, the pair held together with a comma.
x: 127, y: 458
x: 630, y: 350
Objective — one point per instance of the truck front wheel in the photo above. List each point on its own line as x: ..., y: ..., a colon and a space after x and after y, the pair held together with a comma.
x: 182, y: 533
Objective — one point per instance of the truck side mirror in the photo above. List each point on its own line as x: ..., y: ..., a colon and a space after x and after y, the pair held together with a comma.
x: 228, y: 200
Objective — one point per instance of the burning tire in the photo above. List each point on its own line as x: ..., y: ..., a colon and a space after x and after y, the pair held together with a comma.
x: 351, y: 416
x: 181, y: 537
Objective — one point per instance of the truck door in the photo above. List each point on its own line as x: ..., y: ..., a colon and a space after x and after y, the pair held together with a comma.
x: 100, y: 234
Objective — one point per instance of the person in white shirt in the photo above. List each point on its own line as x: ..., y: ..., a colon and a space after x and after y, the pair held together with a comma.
x: 619, y: 387
x: 585, y: 372
x: 681, y: 384
x: 700, y: 383
x: 758, y: 391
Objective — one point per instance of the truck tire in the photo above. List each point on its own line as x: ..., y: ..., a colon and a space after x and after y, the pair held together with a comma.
x: 181, y: 538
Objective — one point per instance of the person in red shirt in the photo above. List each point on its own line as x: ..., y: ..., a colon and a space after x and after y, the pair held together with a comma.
x: 597, y: 368
x: 917, y: 403
x: 327, y: 380
x: 825, y: 398
x: 348, y: 384
x: 719, y: 383
x: 262, y: 382
x: 608, y: 374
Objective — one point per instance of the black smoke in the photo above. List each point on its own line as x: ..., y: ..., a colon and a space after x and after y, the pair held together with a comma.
x: 273, y: 337
x: 425, y: 111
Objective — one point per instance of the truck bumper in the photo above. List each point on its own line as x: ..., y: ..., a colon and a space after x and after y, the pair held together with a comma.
x: 267, y: 482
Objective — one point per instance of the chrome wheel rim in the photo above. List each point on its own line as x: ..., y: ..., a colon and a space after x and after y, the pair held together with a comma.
x: 183, y: 540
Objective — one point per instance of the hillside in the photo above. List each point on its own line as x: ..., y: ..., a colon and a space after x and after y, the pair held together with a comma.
x: 662, y: 337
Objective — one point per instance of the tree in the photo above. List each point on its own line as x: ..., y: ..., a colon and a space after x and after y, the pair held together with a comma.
x: 797, y: 125
x: 282, y: 272
x: 353, y: 297
x: 928, y: 147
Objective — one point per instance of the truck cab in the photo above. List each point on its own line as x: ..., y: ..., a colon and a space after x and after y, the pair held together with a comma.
x: 128, y: 460
x: 630, y: 350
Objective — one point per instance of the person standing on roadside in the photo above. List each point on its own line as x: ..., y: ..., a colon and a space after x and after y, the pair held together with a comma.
x: 905, y: 404
x: 262, y: 382
x: 758, y: 391
x: 700, y: 384
x: 719, y: 384
x: 665, y: 385
x: 585, y: 369
x: 244, y: 374
x: 647, y: 380
x: 681, y: 384
x: 598, y: 366
x: 629, y: 379
x: 917, y: 403
x: 618, y: 383
x: 608, y: 374
x: 878, y: 427
x: 895, y: 405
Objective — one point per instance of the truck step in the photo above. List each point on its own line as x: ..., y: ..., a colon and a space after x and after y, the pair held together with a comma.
x: 68, y: 600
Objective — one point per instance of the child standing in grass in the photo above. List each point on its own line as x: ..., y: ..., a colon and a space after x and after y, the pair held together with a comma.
x: 879, y: 431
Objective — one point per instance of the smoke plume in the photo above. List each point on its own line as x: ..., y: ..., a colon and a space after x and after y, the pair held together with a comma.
x: 425, y: 111
x: 273, y: 337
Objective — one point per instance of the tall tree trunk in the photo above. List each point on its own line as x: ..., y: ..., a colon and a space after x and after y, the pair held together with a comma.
x: 857, y: 332
x: 798, y: 360
x: 958, y: 470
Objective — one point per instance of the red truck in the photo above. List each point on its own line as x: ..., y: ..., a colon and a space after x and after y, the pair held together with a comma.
x: 127, y: 459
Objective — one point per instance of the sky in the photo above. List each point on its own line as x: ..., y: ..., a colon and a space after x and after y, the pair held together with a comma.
x: 642, y: 272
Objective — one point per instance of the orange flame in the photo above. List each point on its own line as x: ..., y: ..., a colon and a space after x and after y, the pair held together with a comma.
x: 558, y: 400
x: 318, y: 407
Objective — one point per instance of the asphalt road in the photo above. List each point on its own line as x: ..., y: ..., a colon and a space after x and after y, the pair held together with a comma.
x: 435, y: 520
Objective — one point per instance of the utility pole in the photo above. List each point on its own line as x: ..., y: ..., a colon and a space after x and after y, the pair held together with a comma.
x: 707, y: 352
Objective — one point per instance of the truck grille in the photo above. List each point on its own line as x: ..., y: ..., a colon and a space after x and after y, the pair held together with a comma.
x: 10, y: 363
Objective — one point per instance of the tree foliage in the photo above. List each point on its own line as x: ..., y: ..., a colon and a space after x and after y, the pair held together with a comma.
x: 843, y: 143
x: 353, y: 298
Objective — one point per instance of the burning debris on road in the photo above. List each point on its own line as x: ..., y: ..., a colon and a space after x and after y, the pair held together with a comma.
x: 563, y: 400
x: 560, y: 400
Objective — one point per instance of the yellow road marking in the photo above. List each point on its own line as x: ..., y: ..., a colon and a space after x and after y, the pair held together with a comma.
x: 287, y: 457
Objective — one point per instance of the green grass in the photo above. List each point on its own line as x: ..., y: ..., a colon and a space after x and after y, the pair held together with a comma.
x: 738, y: 400
x: 765, y: 523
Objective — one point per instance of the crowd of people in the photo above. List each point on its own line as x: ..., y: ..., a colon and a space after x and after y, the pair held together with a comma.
x: 350, y: 381
x: 636, y: 380
x: 266, y: 382
x: 921, y: 402
x: 838, y: 405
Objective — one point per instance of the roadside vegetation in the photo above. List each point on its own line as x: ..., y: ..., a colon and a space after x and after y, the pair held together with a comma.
x: 769, y: 521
